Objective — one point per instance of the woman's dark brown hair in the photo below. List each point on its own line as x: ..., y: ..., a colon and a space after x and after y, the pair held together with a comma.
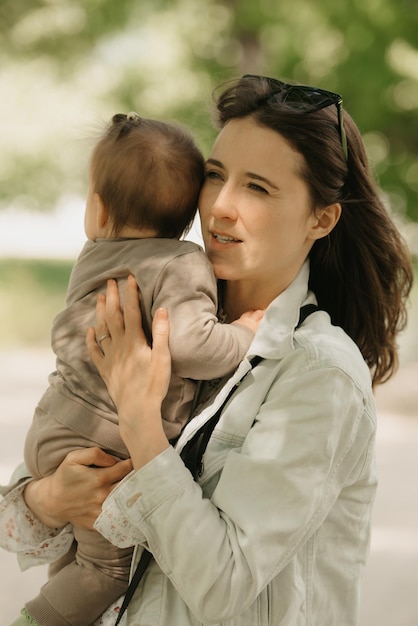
x: 361, y: 273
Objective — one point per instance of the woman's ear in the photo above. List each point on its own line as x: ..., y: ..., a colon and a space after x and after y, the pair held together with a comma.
x: 326, y: 219
x: 102, y: 215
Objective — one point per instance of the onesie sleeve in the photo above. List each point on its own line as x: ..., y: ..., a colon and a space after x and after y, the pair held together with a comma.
x: 201, y: 347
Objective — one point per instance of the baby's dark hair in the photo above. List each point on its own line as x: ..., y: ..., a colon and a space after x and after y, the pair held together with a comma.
x: 148, y: 174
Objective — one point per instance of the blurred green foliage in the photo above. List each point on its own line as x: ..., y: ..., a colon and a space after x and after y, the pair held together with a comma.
x: 32, y: 292
x: 66, y: 63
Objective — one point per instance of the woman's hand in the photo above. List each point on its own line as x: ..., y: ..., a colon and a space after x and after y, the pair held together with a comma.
x: 76, y: 491
x: 136, y: 375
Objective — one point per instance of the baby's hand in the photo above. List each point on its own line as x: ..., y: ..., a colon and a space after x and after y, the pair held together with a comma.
x: 250, y: 319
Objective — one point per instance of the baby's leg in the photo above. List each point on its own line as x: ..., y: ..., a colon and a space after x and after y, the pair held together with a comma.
x: 79, y: 593
x: 63, y: 561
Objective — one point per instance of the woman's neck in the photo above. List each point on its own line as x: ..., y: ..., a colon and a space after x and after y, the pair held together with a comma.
x: 237, y: 298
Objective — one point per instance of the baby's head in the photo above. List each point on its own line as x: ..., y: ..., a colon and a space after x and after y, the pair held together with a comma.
x: 148, y: 174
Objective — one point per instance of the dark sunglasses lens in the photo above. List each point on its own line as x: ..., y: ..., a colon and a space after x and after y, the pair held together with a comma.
x: 308, y: 99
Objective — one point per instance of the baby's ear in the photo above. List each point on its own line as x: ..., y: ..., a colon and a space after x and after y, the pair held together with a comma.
x: 327, y: 218
x: 101, y: 211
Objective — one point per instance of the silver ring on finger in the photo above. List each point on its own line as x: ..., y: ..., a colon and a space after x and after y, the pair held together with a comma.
x: 102, y: 338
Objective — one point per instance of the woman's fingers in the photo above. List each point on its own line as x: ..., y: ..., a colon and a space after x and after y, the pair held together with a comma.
x: 101, y: 322
x: 116, y: 473
x: 132, y: 311
x: 91, y: 457
x: 160, y: 337
x: 95, y: 336
x: 93, y: 349
x: 76, y: 490
x: 159, y: 362
x: 114, y: 323
x: 111, y: 318
x: 160, y: 328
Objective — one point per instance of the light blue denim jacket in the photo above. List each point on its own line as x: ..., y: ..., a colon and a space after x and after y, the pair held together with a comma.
x: 276, y: 531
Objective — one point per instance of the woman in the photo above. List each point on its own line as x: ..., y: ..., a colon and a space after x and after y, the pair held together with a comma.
x: 274, y: 529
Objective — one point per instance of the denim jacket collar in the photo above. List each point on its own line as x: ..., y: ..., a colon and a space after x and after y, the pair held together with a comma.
x: 274, y: 336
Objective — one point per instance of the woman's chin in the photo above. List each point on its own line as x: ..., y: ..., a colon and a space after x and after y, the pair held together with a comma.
x: 222, y: 272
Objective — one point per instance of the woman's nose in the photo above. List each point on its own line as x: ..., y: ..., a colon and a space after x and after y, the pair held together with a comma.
x: 224, y: 205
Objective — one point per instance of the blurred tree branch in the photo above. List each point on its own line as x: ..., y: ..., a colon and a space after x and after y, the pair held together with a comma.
x: 67, y: 65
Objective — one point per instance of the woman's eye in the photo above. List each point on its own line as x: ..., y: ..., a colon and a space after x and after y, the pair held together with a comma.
x: 257, y: 188
x: 213, y: 175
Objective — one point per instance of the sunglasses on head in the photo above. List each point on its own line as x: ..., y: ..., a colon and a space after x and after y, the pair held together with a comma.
x: 306, y: 99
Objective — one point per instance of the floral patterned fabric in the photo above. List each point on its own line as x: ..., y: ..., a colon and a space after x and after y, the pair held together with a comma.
x: 36, y: 544
x: 21, y: 532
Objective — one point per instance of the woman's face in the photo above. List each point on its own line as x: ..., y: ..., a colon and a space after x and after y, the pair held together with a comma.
x: 256, y: 213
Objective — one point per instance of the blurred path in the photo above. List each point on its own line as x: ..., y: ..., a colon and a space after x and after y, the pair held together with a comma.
x: 390, y: 595
x: 23, y: 376
x: 391, y: 582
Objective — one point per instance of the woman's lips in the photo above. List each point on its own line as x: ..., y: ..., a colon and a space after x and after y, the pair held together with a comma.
x: 224, y: 239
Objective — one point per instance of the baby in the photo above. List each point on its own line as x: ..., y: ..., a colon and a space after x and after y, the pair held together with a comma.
x: 145, y: 178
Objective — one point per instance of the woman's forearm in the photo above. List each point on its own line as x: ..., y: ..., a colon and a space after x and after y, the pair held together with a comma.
x: 39, y: 499
x: 143, y: 435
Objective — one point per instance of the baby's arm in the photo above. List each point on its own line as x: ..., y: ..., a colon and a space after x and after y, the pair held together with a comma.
x: 250, y: 319
x: 201, y: 347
